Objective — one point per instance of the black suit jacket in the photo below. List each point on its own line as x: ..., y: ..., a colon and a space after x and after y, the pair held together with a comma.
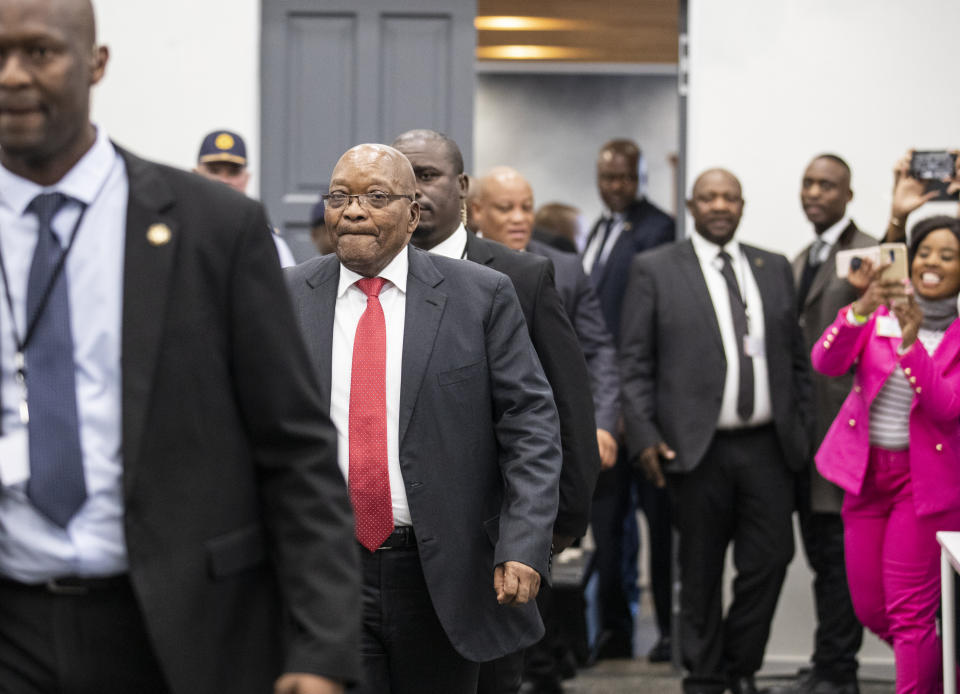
x: 233, y: 502
x: 583, y: 309
x: 479, y: 438
x: 556, y: 343
x: 646, y: 227
x: 827, y: 295
x: 672, y: 362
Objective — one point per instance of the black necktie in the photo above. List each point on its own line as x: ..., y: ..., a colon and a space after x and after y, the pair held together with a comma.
x: 56, y: 486
x: 738, y: 310
x: 598, y: 264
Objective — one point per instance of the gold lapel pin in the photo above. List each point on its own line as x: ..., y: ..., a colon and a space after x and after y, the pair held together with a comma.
x: 627, y: 226
x: 758, y: 262
x: 158, y: 234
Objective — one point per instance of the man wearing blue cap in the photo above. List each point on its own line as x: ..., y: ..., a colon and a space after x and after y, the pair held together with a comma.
x: 223, y: 157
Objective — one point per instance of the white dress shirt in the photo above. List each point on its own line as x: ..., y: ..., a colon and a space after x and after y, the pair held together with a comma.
x: 710, y: 265
x: 32, y: 549
x: 454, y: 246
x: 351, y: 303
x: 594, y: 246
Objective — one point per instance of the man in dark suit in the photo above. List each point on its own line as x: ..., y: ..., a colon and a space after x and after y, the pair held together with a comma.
x: 824, y: 194
x: 448, y: 430
x: 716, y: 389
x: 629, y: 225
x: 441, y: 189
x: 170, y: 496
x: 503, y: 210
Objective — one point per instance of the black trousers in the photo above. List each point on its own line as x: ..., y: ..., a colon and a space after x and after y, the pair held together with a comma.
x: 95, y: 643
x: 839, y: 633
x: 404, y: 649
x: 741, y: 492
x: 611, y: 503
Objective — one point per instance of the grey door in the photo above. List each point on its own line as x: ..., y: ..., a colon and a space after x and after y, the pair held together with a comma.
x: 336, y: 73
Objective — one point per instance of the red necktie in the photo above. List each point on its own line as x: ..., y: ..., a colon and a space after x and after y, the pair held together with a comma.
x: 369, y: 475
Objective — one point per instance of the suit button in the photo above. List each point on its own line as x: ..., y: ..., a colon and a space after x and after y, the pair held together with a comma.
x: 907, y: 371
x: 857, y: 389
x: 919, y: 389
x: 826, y: 344
x: 939, y: 447
x: 834, y: 331
x: 852, y: 422
x: 913, y: 379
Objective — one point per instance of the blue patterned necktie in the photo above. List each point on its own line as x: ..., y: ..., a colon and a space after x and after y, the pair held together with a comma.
x: 56, y: 486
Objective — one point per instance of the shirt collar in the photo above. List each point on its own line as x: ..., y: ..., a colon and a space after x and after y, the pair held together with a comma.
x: 707, y: 250
x: 395, y: 273
x: 454, y: 245
x: 833, y: 233
x: 83, y: 182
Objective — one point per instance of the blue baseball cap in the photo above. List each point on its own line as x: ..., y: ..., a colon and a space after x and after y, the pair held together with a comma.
x: 223, y: 145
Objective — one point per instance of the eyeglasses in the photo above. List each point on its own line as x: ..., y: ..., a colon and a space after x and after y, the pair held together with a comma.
x: 375, y: 200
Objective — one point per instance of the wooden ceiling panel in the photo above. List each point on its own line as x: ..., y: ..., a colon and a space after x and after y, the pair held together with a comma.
x: 615, y: 31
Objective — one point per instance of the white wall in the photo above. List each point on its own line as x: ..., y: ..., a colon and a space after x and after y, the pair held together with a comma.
x: 179, y: 69
x: 772, y: 84
x: 550, y: 128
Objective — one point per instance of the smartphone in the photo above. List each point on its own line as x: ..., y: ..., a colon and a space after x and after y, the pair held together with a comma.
x: 896, y: 255
x: 932, y: 167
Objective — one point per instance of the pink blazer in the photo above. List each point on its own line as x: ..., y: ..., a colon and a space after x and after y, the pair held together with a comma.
x: 934, y: 414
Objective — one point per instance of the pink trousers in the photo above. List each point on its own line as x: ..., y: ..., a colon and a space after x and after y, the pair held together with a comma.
x: 893, y: 568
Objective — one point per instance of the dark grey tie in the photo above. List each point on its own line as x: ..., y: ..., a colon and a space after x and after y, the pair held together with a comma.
x: 56, y: 486
x: 738, y: 309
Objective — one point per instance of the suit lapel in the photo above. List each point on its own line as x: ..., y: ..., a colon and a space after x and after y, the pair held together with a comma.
x: 691, y: 271
x: 425, y: 304
x: 827, y: 267
x: 477, y: 251
x: 152, y: 238
x: 317, y: 321
x: 766, y: 285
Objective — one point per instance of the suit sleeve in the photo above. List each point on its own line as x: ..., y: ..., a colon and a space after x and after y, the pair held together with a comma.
x: 599, y: 352
x: 559, y: 351
x: 306, y: 507
x: 840, y: 345
x: 528, y: 434
x: 638, y: 359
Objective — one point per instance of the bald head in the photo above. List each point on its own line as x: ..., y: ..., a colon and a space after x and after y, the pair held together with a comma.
x: 369, y: 232
x: 502, y: 207
x: 416, y: 139
x: 716, y: 205
x: 79, y: 16
x: 716, y: 175
x: 379, y: 161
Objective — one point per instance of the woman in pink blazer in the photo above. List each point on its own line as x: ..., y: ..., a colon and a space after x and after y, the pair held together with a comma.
x: 895, y: 445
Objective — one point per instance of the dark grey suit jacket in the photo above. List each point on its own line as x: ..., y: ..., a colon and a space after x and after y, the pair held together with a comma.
x: 559, y: 352
x: 583, y: 309
x: 233, y: 502
x: 479, y: 438
x: 672, y: 362
x: 827, y: 295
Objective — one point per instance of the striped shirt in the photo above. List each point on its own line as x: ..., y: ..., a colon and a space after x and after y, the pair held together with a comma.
x: 890, y: 411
